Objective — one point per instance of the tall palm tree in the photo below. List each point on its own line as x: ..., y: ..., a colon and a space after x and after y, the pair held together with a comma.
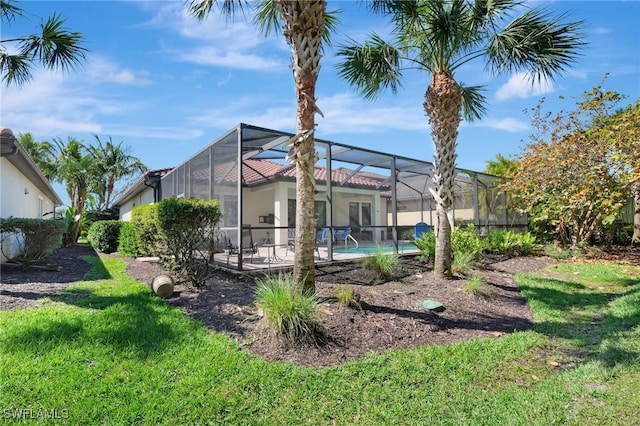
x: 439, y: 37
x: 304, y: 27
x: 76, y: 168
x: 113, y: 162
x: 54, y: 47
x: 502, y: 166
x: 42, y: 153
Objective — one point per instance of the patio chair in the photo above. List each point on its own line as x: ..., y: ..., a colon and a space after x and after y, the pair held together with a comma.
x: 247, y: 246
x: 321, y: 237
x: 419, y: 229
x: 344, y: 234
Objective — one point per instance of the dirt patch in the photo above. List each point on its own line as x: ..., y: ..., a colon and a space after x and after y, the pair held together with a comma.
x: 390, y: 316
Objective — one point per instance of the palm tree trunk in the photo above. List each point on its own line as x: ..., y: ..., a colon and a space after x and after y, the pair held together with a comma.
x: 443, y: 105
x: 303, y: 29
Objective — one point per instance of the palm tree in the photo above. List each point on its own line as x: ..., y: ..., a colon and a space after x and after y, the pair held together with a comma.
x: 305, y: 25
x: 439, y: 37
x: 53, y: 48
x: 113, y: 162
x: 42, y: 153
x: 502, y: 166
x: 76, y: 167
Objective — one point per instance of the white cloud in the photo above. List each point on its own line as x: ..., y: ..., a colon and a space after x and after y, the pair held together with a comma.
x: 508, y: 124
x: 102, y: 70
x: 522, y: 86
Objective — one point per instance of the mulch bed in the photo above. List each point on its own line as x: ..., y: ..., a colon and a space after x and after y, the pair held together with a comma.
x: 389, y: 316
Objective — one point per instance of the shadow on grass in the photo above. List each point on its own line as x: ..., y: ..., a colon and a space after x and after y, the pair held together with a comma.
x: 599, y: 323
x: 136, y: 323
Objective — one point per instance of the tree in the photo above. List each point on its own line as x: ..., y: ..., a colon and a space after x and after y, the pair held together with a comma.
x: 578, y: 170
x: 439, y: 37
x: 304, y: 27
x: 502, y: 166
x: 42, y: 153
x: 623, y: 133
x: 53, y: 48
x: 113, y: 162
x: 76, y: 168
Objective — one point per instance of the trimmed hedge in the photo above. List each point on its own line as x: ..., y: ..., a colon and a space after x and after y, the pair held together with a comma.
x: 144, y: 219
x: 128, y: 242
x: 40, y: 237
x: 104, y: 235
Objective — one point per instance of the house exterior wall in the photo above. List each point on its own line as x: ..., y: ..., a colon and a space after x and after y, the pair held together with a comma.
x: 143, y: 197
x: 19, y: 197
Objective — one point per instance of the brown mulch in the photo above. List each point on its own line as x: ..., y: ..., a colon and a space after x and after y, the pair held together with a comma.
x: 388, y: 318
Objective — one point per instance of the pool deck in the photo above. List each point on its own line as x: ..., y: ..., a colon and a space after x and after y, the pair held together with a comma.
x: 280, y: 258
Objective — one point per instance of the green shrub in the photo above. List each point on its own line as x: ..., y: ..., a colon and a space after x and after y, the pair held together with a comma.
x: 89, y: 217
x: 144, y: 219
x: 509, y: 242
x: 287, y: 310
x: 103, y: 235
x: 427, y: 245
x: 127, y: 242
x: 381, y: 263
x: 37, y: 238
x: 187, y: 226
x: 463, y: 262
x: 346, y: 296
x: 465, y: 240
x: 556, y: 252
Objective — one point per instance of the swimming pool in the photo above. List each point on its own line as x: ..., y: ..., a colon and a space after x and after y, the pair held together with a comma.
x: 372, y: 249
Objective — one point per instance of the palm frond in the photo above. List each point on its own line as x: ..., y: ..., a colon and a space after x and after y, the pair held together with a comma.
x: 537, y: 43
x: 200, y: 9
x: 267, y: 17
x: 474, y: 102
x: 371, y: 67
x: 14, y: 68
x: 55, y: 47
x: 8, y: 11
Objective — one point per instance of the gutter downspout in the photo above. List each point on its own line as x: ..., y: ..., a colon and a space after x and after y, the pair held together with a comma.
x: 157, y: 189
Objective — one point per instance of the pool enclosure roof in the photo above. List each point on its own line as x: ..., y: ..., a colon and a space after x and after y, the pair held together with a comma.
x: 261, y: 143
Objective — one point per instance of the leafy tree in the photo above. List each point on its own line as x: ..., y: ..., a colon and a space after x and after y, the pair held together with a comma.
x: 42, y: 153
x: 502, y: 166
x: 577, y: 172
x: 439, y: 37
x: 54, y: 47
x: 305, y: 24
x: 113, y: 162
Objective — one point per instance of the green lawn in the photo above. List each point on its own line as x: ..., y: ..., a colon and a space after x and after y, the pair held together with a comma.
x: 110, y: 353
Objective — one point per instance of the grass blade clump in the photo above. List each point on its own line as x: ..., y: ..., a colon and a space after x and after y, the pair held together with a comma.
x: 381, y: 263
x: 287, y: 310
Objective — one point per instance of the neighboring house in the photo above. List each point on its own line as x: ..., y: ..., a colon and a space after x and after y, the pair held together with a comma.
x: 147, y: 190
x: 24, y: 191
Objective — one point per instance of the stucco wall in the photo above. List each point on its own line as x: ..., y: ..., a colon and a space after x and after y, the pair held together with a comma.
x: 13, y: 199
x: 144, y: 197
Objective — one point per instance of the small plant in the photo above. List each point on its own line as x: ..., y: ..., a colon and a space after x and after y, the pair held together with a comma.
x: 476, y: 287
x: 287, y: 310
x: 381, y: 263
x: 427, y: 245
x: 104, y: 234
x: 346, y: 296
x: 33, y: 239
x: 465, y: 240
x: 463, y: 262
x: 509, y: 242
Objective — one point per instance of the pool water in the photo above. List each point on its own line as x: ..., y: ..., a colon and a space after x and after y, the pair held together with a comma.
x: 373, y: 249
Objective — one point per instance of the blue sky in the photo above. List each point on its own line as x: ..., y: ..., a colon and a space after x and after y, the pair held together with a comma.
x: 168, y: 85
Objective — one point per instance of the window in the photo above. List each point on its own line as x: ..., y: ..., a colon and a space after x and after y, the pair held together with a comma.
x: 359, y: 214
x: 320, y: 213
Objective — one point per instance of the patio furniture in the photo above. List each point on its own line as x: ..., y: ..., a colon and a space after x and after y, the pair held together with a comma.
x: 419, y: 229
x: 247, y: 246
x: 344, y: 234
x: 321, y: 238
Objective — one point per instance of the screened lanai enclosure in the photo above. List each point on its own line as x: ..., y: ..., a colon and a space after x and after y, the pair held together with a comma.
x: 365, y: 200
